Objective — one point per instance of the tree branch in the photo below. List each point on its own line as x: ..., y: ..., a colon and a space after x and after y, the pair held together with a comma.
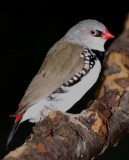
x: 101, y: 125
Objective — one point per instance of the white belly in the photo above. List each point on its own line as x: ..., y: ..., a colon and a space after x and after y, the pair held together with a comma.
x: 63, y: 101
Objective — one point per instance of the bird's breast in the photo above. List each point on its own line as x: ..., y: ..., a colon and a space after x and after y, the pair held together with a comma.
x: 65, y: 100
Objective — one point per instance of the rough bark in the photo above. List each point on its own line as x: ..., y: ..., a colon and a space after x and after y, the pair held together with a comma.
x: 101, y: 125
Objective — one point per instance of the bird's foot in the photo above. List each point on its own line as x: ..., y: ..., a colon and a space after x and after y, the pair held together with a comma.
x: 46, y: 110
x: 74, y: 119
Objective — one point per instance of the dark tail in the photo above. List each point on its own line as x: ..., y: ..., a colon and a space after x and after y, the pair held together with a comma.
x: 13, y: 131
x: 16, y: 124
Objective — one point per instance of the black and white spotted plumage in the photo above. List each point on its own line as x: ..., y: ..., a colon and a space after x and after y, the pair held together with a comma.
x: 89, y: 58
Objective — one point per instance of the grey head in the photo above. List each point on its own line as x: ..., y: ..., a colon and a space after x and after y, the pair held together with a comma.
x: 89, y: 33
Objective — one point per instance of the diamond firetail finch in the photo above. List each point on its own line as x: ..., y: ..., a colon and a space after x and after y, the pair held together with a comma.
x: 70, y: 69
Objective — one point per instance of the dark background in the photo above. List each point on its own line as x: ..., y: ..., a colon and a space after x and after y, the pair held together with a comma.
x: 27, y: 31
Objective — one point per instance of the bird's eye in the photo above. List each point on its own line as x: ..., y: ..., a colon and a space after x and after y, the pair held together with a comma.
x: 92, y: 32
x: 96, y: 33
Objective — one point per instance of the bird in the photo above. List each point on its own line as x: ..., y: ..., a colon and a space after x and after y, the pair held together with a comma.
x: 71, y: 67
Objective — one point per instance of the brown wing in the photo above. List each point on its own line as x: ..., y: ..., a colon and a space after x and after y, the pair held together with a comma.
x: 61, y: 63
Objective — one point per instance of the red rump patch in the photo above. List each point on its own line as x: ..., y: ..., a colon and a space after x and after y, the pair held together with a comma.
x: 19, y: 115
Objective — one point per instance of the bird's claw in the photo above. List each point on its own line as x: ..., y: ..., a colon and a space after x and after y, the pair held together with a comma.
x: 74, y: 120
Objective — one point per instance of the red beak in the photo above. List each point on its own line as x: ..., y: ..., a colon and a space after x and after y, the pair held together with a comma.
x: 107, y: 35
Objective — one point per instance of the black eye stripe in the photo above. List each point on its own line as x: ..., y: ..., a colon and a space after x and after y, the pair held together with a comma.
x: 96, y: 33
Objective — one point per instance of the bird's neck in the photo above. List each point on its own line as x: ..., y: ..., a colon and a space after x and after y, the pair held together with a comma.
x: 100, y: 55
